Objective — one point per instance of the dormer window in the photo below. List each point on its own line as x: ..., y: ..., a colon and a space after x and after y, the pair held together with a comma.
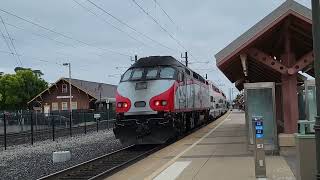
x: 64, y: 88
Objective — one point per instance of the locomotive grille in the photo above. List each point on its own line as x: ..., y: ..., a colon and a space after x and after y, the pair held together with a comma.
x: 140, y: 104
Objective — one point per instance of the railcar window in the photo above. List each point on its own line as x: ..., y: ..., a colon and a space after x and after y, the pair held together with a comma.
x: 126, y: 75
x: 167, y: 73
x: 137, y: 74
x: 152, y: 73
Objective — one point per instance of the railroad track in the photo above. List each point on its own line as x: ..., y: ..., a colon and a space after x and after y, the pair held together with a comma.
x: 108, y: 164
x: 104, y: 165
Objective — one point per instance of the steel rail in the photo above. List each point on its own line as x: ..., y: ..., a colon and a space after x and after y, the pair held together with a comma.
x: 104, y: 165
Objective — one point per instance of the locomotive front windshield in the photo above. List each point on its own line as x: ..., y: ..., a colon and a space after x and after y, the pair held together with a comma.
x: 135, y: 74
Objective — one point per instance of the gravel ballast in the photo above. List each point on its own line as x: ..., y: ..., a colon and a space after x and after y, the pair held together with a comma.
x: 32, y: 162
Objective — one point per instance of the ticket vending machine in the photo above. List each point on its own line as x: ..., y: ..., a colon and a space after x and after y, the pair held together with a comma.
x: 259, y: 153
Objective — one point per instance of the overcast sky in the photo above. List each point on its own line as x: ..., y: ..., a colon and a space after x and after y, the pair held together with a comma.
x: 95, y: 48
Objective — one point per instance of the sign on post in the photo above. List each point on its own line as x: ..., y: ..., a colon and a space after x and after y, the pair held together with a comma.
x: 259, y: 153
x: 96, y: 116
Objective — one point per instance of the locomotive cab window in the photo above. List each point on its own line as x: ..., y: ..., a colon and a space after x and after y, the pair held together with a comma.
x: 126, y: 75
x: 137, y: 74
x: 152, y: 73
x: 167, y: 73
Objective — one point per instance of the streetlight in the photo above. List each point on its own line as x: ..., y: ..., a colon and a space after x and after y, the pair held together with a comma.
x: 70, y: 98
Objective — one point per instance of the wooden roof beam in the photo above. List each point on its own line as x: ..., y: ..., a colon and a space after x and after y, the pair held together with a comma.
x: 303, y: 62
x: 267, y: 60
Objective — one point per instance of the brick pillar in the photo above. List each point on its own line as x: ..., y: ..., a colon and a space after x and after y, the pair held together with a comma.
x: 290, y: 103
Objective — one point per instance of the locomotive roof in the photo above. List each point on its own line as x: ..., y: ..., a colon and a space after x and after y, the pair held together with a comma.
x: 152, y: 61
x: 157, y: 61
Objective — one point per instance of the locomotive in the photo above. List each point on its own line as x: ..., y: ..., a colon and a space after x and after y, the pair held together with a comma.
x: 159, y: 98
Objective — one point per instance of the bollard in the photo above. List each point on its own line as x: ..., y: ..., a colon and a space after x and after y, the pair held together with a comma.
x: 31, y: 123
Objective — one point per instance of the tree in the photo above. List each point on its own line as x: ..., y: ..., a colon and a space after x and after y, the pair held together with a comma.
x: 19, y: 88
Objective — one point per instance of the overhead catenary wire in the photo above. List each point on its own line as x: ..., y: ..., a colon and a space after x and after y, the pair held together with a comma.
x: 130, y: 27
x: 168, y: 16
x: 156, y: 21
x: 10, y: 39
x: 47, y: 37
x: 34, y: 58
x: 63, y: 35
x: 41, y: 60
x: 39, y: 35
x: 104, y: 20
x: 6, y: 42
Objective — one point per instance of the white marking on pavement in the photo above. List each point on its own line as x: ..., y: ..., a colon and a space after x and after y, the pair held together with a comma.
x: 162, y: 168
x: 173, y: 171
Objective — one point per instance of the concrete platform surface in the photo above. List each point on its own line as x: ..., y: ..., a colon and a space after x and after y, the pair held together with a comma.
x: 217, y: 151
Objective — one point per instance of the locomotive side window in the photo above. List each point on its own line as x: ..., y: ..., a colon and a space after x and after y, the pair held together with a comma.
x: 137, y: 74
x: 211, y: 98
x: 126, y: 75
x: 195, y: 75
x: 152, y: 73
x: 187, y: 71
x: 167, y: 73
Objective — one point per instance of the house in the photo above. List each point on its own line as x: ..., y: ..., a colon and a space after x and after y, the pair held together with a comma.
x: 85, y: 95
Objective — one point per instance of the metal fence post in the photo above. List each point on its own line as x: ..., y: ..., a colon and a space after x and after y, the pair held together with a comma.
x: 52, y: 123
x: 5, y: 131
x: 108, y: 118
x: 97, y: 124
x: 31, y: 123
x: 85, y: 123
x: 70, y: 123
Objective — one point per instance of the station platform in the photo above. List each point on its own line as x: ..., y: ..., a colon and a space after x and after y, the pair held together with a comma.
x: 217, y: 151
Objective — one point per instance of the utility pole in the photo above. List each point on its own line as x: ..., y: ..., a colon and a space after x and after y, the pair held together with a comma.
x: 316, y: 51
x: 70, y: 97
x: 186, y: 57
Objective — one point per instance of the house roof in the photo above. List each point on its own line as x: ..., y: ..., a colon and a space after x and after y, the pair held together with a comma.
x: 94, y: 88
x: 91, y: 88
x: 288, y: 7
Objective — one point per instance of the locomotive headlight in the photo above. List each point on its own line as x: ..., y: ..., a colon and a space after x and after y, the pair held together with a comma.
x: 160, y: 103
x: 119, y: 104
x: 164, y: 103
x: 125, y: 105
x: 157, y: 103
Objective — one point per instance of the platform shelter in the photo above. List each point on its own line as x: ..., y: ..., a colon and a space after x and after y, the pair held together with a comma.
x: 276, y: 49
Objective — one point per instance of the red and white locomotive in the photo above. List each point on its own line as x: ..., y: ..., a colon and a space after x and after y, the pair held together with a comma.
x: 159, y: 98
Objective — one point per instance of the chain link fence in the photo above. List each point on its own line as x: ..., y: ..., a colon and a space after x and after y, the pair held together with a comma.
x: 22, y: 127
